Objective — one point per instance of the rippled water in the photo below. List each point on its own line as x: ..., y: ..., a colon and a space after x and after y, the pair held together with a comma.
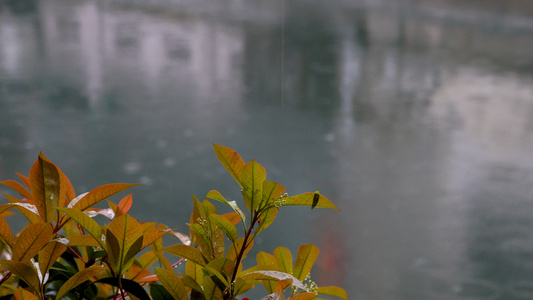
x: 414, y: 119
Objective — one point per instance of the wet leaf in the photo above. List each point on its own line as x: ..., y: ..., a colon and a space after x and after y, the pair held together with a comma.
x: 83, y: 240
x: 306, y: 199
x: 284, y: 259
x: 253, y: 176
x: 31, y: 240
x: 273, y: 275
x: 49, y: 255
x: 307, y: 255
x: 186, y: 252
x: 231, y: 160
x: 23, y: 271
x: 266, y: 219
x: 98, y: 194
x: 225, y: 225
x: 172, y: 283
x: 215, y: 195
x: 47, y: 188
x: 272, y: 191
x: 333, y: 291
x: 29, y: 211
x: 90, y: 225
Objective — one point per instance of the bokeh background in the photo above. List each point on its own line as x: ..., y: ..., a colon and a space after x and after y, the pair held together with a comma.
x: 414, y: 117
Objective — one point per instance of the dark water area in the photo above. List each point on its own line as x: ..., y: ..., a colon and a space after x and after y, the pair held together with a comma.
x: 414, y: 117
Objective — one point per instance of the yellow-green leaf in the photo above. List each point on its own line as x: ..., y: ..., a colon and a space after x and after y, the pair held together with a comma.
x: 5, y: 232
x: 225, y: 225
x: 212, y: 272
x: 86, y: 222
x: 31, y: 240
x: 231, y: 160
x: 266, y: 218
x: 284, y: 259
x: 194, y: 270
x: 123, y: 241
x: 307, y: 255
x: 273, y: 275
x: 306, y: 199
x: 266, y: 259
x: 215, y: 195
x: 187, y: 252
x: 333, y: 291
x: 253, y: 176
x: 18, y: 188
x: 272, y: 191
x: 172, y: 283
x: 304, y: 296
x: 23, y: 271
x: 47, y: 188
x: 236, y: 248
x: 83, y: 240
x: 78, y: 279
x: 49, y: 254
x: 98, y: 194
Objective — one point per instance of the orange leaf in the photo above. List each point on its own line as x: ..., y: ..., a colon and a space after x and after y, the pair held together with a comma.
x: 24, y: 179
x: 31, y: 240
x: 231, y: 160
x: 49, y: 254
x: 124, y: 205
x: 18, y: 187
x: 233, y: 217
x: 304, y: 296
x: 22, y: 294
x: 26, y: 209
x: 47, y: 187
x: 123, y: 241
x: 5, y: 232
x: 98, y: 194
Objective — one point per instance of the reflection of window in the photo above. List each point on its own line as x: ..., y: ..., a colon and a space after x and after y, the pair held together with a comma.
x: 177, y: 49
x: 127, y: 37
x: 68, y: 29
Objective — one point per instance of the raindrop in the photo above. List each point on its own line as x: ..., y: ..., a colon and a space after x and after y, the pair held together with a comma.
x: 169, y: 162
x: 330, y: 137
x: 132, y: 167
x: 145, y: 180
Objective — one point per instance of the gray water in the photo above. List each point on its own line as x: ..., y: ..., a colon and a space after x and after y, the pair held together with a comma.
x: 415, y: 118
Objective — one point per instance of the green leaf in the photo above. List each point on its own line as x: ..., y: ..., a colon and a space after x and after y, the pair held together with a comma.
x: 194, y: 270
x: 123, y: 242
x: 316, y: 198
x: 240, y: 286
x: 217, y: 278
x: 5, y: 233
x: 172, y: 283
x: 284, y: 259
x: 25, y: 272
x: 229, y: 229
x: 158, y: 291
x: 211, y: 291
x: 306, y: 199
x: 253, y: 176
x: 231, y: 160
x: 47, y: 188
x: 49, y: 254
x: 19, y: 188
x: 333, y: 291
x: 31, y: 240
x: 187, y: 252
x: 273, y: 275
x: 78, y: 279
x: 215, y: 195
x: 131, y: 287
x: 98, y: 194
x: 190, y: 282
x: 307, y: 255
x: 86, y: 222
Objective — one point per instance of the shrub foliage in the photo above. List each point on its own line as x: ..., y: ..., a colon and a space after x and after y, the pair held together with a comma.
x: 64, y: 253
